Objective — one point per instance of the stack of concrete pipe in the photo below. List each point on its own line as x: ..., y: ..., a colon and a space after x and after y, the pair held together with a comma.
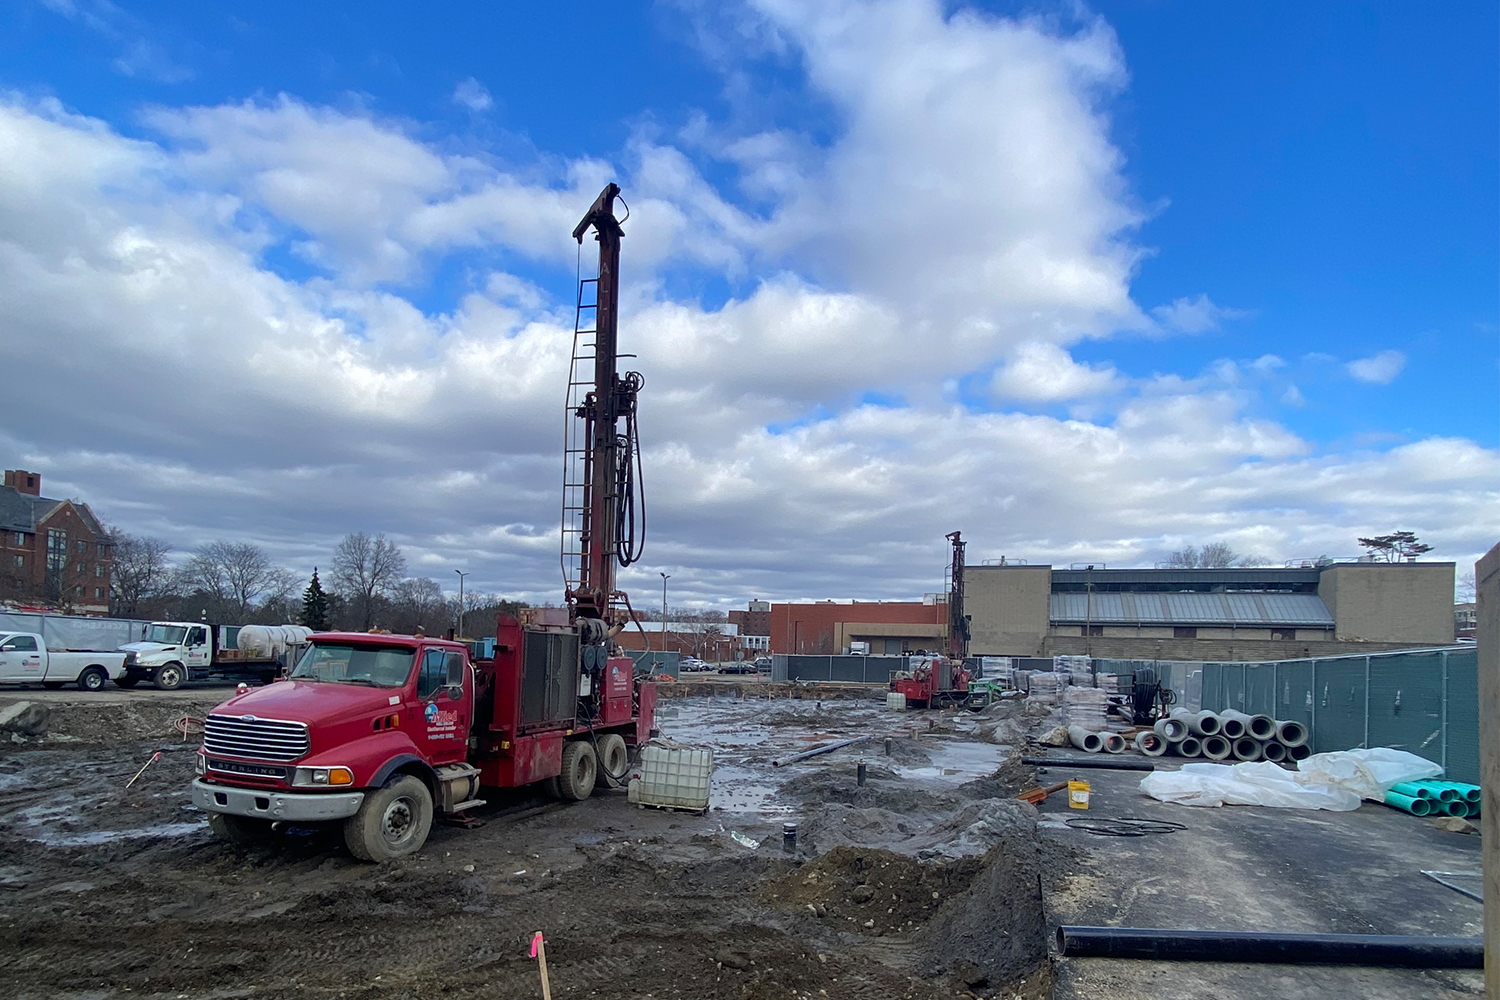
x: 1092, y: 742
x: 1226, y: 735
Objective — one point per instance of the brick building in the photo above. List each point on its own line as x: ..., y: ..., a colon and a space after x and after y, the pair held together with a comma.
x: 51, y: 551
x: 829, y: 627
x: 754, y: 620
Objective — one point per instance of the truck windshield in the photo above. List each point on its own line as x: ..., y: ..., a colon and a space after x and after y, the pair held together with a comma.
x: 381, y: 666
x: 167, y: 635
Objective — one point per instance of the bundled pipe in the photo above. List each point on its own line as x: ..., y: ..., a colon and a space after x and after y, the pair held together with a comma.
x: 1434, y: 789
x: 1113, y: 742
x: 1151, y: 743
x: 1292, y: 733
x: 1216, y: 747
x: 1374, y: 950
x: 1273, y: 751
x: 1085, y: 740
x: 1171, y: 729
x: 1229, y: 727
x: 1299, y: 752
x: 1246, y: 748
x: 1189, y: 746
x: 1413, y: 804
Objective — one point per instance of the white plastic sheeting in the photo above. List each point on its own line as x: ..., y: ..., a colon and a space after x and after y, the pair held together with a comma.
x: 1334, y: 781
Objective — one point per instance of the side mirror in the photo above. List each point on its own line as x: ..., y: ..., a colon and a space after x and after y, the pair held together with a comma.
x: 456, y: 669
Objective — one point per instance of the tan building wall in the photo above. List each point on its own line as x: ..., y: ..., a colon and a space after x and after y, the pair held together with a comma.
x: 1406, y: 603
x: 1207, y: 649
x: 911, y: 636
x: 1009, y: 607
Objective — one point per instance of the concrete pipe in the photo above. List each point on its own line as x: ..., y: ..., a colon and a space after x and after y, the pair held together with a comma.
x: 1085, y: 740
x: 1203, y: 723
x: 1273, y: 751
x: 1293, y: 734
x: 1151, y: 743
x: 1245, y: 748
x: 1260, y: 727
x: 1113, y: 742
x: 1216, y: 747
x: 1190, y: 746
x: 1171, y: 730
x: 1299, y: 752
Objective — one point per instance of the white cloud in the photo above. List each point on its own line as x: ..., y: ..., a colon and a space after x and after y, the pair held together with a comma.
x: 1378, y: 369
x: 1293, y: 396
x: 968, y: 215
x: 1041, y: 372
x: 1194, y: 315
x: 473, y: 95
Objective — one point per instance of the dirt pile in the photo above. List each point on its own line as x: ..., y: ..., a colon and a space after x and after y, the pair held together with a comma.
x: 878, y: 892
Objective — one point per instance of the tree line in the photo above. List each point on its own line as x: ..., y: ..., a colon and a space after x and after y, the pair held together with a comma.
x: 365, y: 586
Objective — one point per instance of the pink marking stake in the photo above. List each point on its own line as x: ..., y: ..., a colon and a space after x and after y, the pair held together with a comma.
x: 539, y: 952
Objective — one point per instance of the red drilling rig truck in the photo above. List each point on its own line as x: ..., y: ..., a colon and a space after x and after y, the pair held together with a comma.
x: 386, y: 733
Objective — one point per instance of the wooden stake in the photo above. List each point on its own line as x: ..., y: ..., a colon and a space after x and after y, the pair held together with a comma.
x: 539, y: 952
x: 143, y: 768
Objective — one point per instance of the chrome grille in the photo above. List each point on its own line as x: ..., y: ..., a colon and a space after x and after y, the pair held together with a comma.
x: 258, y: 739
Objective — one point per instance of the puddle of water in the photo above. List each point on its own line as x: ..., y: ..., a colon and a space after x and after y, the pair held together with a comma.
x: 956, y: 762
x: 107, y: 836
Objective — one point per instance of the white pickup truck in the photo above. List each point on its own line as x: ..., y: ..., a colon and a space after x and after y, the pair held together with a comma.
x: 25, y: 659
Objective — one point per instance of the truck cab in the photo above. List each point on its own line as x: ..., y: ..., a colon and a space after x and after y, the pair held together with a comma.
x: 370, y: 729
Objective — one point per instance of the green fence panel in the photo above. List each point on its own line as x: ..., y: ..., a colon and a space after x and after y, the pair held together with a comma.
x: 1294, y: 698
x: 1232, y: 686
x: 1406, y: 703
x: 1260, y: 689
x: 1462, y: 689
x: 1338, y: 704
x: 1211, y: 696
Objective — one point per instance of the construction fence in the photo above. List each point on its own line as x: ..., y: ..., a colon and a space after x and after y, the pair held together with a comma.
x: 848, y: 669
x: 1424, y: 701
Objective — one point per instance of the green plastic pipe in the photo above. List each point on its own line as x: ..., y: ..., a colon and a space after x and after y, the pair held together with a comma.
x: 1416, y: 789
x: 1409, y: 803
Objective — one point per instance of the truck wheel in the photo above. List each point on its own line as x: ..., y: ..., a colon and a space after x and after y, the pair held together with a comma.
x: 239, y: 830
x: 579, y: 769
x: 614, y: 760
x: 168, y: 676
x: 392, y: 822
x: 127, y: 682
x: 92, y: 679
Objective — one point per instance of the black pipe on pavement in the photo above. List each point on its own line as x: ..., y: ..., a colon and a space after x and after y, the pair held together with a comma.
x: 1373, y: 950
x: 1102, y: 763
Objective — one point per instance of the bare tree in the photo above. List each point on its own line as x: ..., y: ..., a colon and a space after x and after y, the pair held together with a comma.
x: 418, y: 603
x: 1213, y: 555
x: 281, y: 602
x: 140, y: 573
x: 1465, y: 590
x: 365, y: 569
x: 235, y: 575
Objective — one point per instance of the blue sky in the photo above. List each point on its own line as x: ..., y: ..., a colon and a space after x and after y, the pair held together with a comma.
x: 1267, y: 233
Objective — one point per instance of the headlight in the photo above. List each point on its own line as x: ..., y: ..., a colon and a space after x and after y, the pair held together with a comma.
x: 201, y: 765
x: 319, y: 776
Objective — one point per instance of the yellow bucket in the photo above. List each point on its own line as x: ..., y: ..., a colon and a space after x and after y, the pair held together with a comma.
x: 1078, y: 795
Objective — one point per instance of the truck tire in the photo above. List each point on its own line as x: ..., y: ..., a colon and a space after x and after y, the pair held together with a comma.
x: 127, y: 682
x: 168, y: 676
x: 92, y: 679
x: 579, y: 769
x: 239, y: 830
x: 392, y: 822
x: 614, y: 760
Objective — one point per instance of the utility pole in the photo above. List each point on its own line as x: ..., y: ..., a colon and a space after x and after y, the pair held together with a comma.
x: 664, y: 578
x: 461, y: 575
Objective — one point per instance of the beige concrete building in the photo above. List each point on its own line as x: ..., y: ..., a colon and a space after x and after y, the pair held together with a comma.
x: 1209, y: 614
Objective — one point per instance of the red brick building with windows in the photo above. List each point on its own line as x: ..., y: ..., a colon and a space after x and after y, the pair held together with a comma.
x: 52, y: 551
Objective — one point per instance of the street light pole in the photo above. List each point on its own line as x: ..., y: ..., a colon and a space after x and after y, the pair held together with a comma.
x: 664, y: 578
x: 461, y: 575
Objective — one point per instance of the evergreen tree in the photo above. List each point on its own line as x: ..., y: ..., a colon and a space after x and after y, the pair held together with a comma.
x: 315, y: 605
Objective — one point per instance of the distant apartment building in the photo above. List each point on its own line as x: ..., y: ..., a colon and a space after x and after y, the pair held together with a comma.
x: 52, y: 552
x: 755, y: 620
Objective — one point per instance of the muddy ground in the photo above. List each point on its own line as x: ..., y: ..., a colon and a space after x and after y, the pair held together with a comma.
x: 923, y: 883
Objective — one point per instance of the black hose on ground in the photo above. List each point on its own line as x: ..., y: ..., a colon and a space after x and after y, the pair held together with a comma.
x: 1374, y: 950
x: 1100, y: 763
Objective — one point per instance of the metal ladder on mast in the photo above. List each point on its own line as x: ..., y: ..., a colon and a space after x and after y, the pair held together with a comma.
x: 576, y: 445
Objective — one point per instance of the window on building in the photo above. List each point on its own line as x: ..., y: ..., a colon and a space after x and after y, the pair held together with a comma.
x: 1283, y: 633
x: 78, y: 591
x: 20, y: 538
x: 1185, y: 632
x: 57, y: 550
x: 82, y: 567
x: 99, y: 549
x: 82, y: 546
x: 98, y: 591
x: 20, y: 562
x: 99, y: 571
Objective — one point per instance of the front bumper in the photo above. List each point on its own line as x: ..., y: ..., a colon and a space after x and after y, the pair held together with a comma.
x: 292, y: 807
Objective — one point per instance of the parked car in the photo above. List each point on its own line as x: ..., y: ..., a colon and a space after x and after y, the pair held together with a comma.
x: 692, y: 664
x: 737, y: 667
x: 763, y: 664
x: 25, y: 659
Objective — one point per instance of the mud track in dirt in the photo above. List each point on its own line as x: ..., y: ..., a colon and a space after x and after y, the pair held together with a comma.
x: 107, y: 892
